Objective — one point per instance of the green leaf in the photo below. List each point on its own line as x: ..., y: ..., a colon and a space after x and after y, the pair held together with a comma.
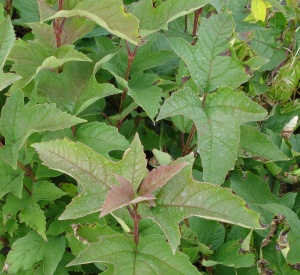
x: 18, y: 122
x: 46, y: 191
x: 276, y: 261
x: 7, y: 39
x: 101, y: 138
x: 31, y: 57
x: 93, y: 172
x: 218, y: 126
x: 230, y: 254
x: 256, y: 144
x: 183, y: 197
x: 210, y: 68
x: 145, y: 93
x: 256, y: 192
x: 293, y: 234
x: 259, y: 10
x: 74, y: 28
x: 11, y: 180
x: 210, y: 233
x: 265, y: 44
x: 151, y: 256
x: 31, y: 249
x: 110, y: 15
x: 28, y: 11
x: 30, y: 212
x: 79, y: 91
x: 153, y: 19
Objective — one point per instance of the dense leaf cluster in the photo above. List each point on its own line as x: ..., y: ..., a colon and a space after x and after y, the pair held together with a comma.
x: 149, y: 137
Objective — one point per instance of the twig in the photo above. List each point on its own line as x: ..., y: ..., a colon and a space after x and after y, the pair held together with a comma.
x: 196, y: 20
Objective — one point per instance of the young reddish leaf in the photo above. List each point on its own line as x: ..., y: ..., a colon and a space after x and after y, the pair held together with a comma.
x: 159, y: 177
x: 118, y: 196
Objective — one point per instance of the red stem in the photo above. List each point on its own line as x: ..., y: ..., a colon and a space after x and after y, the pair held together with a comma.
x: 58, y: 24
x: 131, y: 56
x: 196, y: 20
x: 8, y: 6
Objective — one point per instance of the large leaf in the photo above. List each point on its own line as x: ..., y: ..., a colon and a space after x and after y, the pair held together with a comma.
x: 183, y: 197
x: 31, y: 249
x: 110, y: 15
x: 256, y: 144
x: 31, y: 57
x: 156, y: 18
x: 28, y: 11
x: 210, y: 68
x: 18, y: 122
x: 93, y: 172
x: 151, y: 256
x: 75, y: 88
x: 218, y: 126
x: 7, y: 39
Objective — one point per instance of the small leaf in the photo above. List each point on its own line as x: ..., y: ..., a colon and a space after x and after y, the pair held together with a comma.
x: 217, y: 124
x: 230, y: 254
x: 259, y: 10
x: 18, y: 122
x: 209, y: 69
x: 118, y: 196
x: 11, y: 180
x: 159, y: 177
x: 183, y: 197
x: 151, y: 256
x: 109, y: 15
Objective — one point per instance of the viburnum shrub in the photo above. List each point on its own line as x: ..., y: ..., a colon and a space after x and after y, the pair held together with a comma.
x: 149, y: 137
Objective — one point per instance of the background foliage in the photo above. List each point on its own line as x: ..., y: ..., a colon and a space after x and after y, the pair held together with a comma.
x: 149, y: 137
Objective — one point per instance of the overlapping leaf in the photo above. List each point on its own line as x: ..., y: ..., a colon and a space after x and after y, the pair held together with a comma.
x: 183, y: 197
x: 256, y: 144
x: 18, y: 122
x: 31, y: 248
x: 73, y: 29
x: 207, y: 62
x: 110, y: 15
x: 152, y: 256
x: 75, y: 88
x: 218, y: 126
x: 101, y: 137
x: 31, y: 57
x: 156, y: 18
x: 93, y: 172
x: 7, y: 38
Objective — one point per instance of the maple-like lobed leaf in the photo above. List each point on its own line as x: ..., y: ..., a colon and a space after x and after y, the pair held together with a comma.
x: 183, y: 197
x: 18, y: 122
x: 151, y: 256
x: 218, y: 126
x: 93, y: 171
x: 209, y: 69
